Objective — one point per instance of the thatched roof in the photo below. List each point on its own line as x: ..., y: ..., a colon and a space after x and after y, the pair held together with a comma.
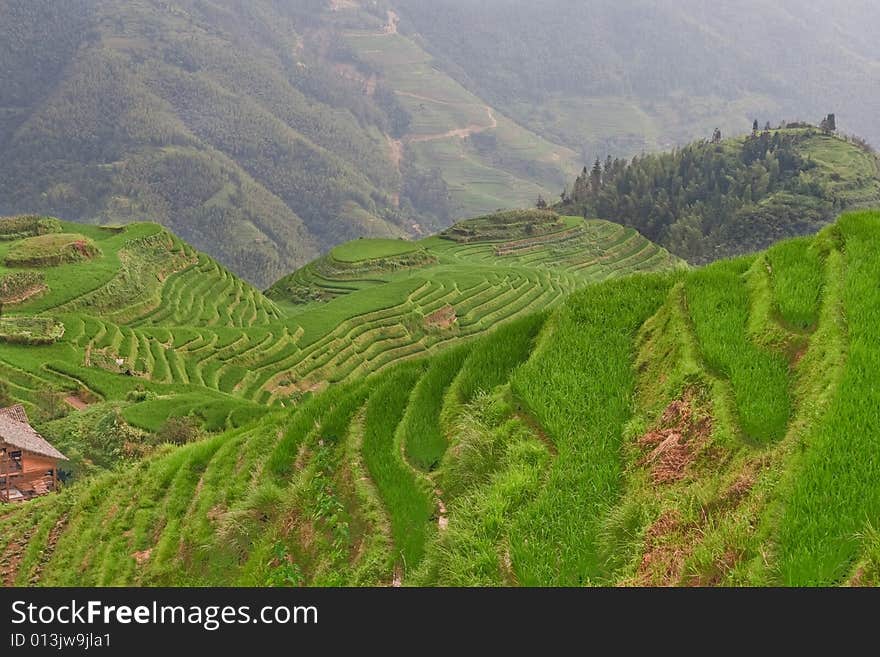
x: 15, y: 431
x: 16, y: 413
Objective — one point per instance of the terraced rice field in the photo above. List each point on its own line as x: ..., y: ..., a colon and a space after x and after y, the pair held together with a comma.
x: 609, y: 441
x: 175, y: 323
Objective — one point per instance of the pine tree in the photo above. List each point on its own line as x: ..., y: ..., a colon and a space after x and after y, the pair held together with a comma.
x: 755, y: 127
x: 596, y: 177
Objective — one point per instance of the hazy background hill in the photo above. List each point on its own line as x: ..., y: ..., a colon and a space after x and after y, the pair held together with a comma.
x: 265, y: 132
x: 615, y: 76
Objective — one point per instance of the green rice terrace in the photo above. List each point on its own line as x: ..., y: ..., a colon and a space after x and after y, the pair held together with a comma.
x: 566, y: 406
x: 153, y: 330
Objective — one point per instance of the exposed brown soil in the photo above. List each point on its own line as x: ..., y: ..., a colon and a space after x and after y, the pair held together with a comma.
x: 507, y: 568
x: 391, y: 26
x: 215, y: 514
x: 723, y: 565
x: 536, y: 428
x: 859, y: 578
x: 49, y: 550
x: 460, y: 133
x: 681, y: 436
x: 739, y: 489
x: 677, y: 441
x: 395, y: 146
x: 668, y: 543
x: 666, y: 549
x: 76, y: 402
x: 442, y: 516
x: 12, y: 556
x: 443, y: 319
x: 24, y: 295
x: 277, y: 388
x: 143, y: 556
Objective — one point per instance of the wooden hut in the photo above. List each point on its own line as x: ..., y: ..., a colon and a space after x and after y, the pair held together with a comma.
x: 28, y: 462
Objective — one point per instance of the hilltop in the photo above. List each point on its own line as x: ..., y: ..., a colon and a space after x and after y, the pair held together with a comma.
x: 673, y: 427
x: 725, y: 197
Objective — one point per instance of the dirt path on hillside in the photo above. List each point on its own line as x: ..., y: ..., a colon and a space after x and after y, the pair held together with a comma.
x: 442, y: 514
x: 461, y: 133
x: 76, y: 402
x: 12, y: 557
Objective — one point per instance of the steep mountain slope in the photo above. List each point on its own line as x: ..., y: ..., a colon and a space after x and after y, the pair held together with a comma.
x: 250, y: 129
x: 622, y: 77
x: 204, y: 116
x: 487, y: 160
x: 687, y: 427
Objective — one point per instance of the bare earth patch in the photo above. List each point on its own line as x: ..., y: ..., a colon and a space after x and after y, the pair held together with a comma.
x: 11, y: 558
x: 143, y: 556
x: 24, y: 295
x: 49, y: 550
x: 675, y: 444
x: 444, y: 318
x: 76, y: 402
x: 666, y: 549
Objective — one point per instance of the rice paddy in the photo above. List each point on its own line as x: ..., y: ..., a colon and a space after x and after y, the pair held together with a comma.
x: 498, y: 413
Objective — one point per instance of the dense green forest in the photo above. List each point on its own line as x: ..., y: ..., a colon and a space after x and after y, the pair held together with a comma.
x: 718, y: 198
x: 224, y: 121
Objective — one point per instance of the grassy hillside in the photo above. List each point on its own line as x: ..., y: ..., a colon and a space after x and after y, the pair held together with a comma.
x: 722, y: 198
x: 156, y: 333
x: 679, y: 427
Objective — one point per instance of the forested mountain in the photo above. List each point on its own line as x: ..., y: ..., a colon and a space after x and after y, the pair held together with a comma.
x: 616, y: 77
x: 251, y: 129
x: 719, y: 198
x: 266, y: 132
x: 211, y: 117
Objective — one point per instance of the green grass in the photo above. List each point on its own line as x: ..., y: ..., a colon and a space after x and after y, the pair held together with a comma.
x: 578, y: 384
x: 343, y: 430
x: 370, y: 249
x: 408, y: 503
x: 495, y: 469
x: 718, y: 302
x: 423, y: 437
x: 835, y: 496
x: 51, y: 250
x: 796, y: 275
